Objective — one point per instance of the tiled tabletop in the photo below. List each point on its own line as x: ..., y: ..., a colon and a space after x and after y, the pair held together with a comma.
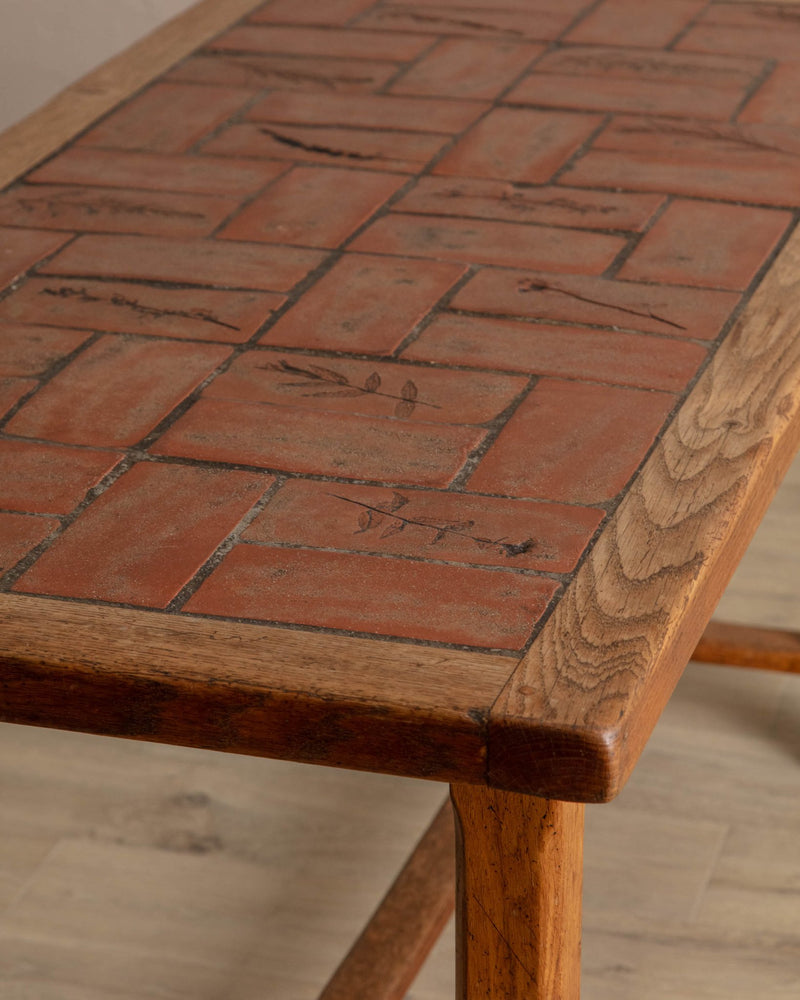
x: 361, y: 318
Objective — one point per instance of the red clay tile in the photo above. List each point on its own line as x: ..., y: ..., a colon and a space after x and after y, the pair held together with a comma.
x: 776, y: 103
x: 22, y: 248
x: 464, y: 19
x: 167, y: 118
x: 573, y: 441
x: 480, y: 198
x: 19, y: 533
x: 303, y: 73
x: 30, y: 350
x: 676, y: 312
x: 195, y: 262
x: 311, y: 41
x: 628, y: 22
x: 490, y: 243
x: 117, y: 307
x: 618, y: 79
x: 599, y: 355
x: 412, y: 114
x: 98, y: 209
x: 157, y: 172
x: 296, y: 440
x: 12, y: 390
x: 710, y: 245
x: 334, y: 12
x: 758, y: 29
x: 313, y: 206
x: 467, y: 68
x: 47, y: 478
x: 449, y: 527
x: 116, y: 391
x: 366, y: 388
x: 181, y: 515
x: 373, y: 149
x: 364, y: 304
x: 398, y: 597
x: 517, y: 144
x: 703, y: 159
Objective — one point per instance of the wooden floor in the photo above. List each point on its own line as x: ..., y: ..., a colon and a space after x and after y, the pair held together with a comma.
x: 132, y: 871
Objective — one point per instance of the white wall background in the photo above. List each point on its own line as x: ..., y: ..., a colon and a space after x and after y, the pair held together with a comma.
x: 47, y: 44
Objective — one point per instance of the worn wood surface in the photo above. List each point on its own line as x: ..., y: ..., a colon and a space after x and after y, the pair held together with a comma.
x: 578, y: 710
x: 518, y: 897
x: 323, y: 699
x: 385, y: 959
x: 744, y: 646
x: 41, y: 133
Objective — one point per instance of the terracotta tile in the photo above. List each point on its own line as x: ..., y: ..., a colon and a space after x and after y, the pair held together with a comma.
x: 302, y: 73
x: 413, y: 114
x: 598, y: 355
x: 116, y: 391
x: 98, y: 209
x: 20, y: 249
x: 490, y: 243
x: 367, y: 388
x: 364, y: 304
x: 196, y: 262
x: 768, y: 30
x: 334, y: 12
x: 49, y: 479
x: 373, y: 149
x: 427, y: 524
x: 481, y: 198
x: 677, y: 312
x: 627, y: 22
x: 775, y: 103
x: 396, y: 597
x: 310, y: 41
x: 157, y: 172
x: 30, y: 350
x: 517, y: 144
x: 573, y: 442
x: 118, y: 307
x: 167, y: 118
x: 467, y: 68
x: 12, y: 390
x: 180, y: 514
x: 296, y: 440
x: 522, y: 24
x: 313, y: 206
x: 450, y: 527
x: 19, y: 533
x: 702, y: 159
x: 710, y: 245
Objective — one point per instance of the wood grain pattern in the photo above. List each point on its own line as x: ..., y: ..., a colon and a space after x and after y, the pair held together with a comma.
x: 390, y: 951
x: 745, y: 646
x: 41, y: 133
x: 581, y: 705
x: 358, y: 703
x: 518, y: 905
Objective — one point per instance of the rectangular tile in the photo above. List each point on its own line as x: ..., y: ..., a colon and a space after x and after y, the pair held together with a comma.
x: 119, y: 307
x: 426, y: 524
x: 116, y: 391
x: 179, y: 510
x: 195, y: 262
x: 381, y: 596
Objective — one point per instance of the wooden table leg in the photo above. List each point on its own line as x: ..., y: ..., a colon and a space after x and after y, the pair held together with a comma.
x: 518, y: 903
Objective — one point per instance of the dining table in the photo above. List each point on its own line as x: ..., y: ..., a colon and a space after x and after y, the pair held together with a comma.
x: 395, y: 386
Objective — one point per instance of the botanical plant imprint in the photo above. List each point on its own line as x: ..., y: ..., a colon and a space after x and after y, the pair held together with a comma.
x: 55, y: 204
x: 316, y: 375
x: 530, y: 285
x: 386, y: 516
x: 307, y: 147
x: 146, y: 312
